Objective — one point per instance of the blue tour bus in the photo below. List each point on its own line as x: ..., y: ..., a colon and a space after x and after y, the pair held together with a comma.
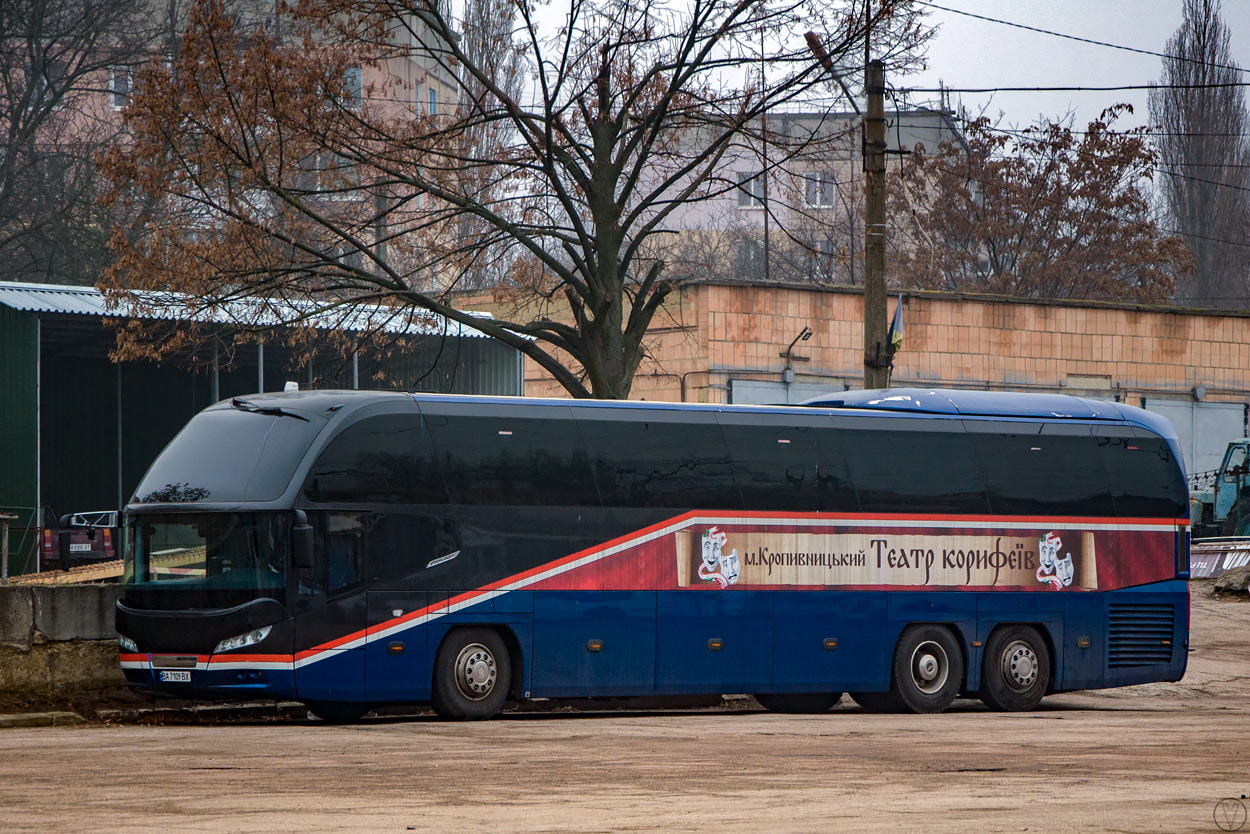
x: 351, y: 549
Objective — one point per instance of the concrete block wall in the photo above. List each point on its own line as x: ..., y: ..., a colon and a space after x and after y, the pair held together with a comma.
x: 30, y: 615
x: 709, y: 334
x: 58, y: 638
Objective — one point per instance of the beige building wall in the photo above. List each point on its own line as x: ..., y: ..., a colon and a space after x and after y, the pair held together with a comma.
x: 711, y: 335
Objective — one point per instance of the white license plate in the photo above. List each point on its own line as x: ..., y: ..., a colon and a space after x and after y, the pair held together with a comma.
x: 175, y: 677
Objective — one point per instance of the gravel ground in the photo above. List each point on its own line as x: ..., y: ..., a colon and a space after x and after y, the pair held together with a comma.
x: 1148, y: 758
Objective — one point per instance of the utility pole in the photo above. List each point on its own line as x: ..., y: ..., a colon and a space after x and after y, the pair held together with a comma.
x: 877, y: 354
x: 876, y: 351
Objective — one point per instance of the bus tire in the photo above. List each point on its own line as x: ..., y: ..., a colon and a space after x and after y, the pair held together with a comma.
x: 1016, y: 671
x: 879, y: 701
x: 472, y: 674
x: 337, y: 712
x: 796, y: 703
x: 928, y: 668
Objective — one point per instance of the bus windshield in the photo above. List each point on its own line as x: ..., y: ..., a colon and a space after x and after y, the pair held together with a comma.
x: 208, y: 558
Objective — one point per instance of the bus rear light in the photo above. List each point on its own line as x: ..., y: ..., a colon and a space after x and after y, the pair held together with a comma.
x: 127, y: 644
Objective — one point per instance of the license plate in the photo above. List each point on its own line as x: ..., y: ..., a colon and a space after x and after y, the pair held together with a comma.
x: 175, y: 677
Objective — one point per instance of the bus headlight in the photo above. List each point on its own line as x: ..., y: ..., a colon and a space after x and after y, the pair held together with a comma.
x: 251, y: 638
x: 127, y: 644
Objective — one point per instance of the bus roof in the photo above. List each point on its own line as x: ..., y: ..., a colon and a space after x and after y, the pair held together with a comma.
x: 972, y: 404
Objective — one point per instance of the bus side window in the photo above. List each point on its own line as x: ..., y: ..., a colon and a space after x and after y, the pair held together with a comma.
x: 660, y: 463
x: 385, y: 459
x: 338, y: 553
x: 509, y: 460
x: 1058, y: 470
x: 902, y: 468
x: 403, y: 547
x: 799, y: 468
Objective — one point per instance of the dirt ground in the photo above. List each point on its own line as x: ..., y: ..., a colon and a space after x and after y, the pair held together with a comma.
x: 1147, y: 758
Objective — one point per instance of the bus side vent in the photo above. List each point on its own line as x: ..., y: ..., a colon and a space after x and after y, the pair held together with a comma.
x: 1139, y: 634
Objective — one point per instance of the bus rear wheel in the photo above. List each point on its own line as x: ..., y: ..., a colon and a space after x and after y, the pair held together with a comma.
x: 472, y: 675
x: 799, y: 702
x: 1017, y: 669
x: 928, y: 668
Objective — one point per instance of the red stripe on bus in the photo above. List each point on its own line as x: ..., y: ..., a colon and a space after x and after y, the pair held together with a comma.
x: 467, y: 596
x: 250, y: 658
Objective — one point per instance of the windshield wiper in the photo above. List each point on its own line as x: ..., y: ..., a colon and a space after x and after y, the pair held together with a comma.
x: 271, y: 410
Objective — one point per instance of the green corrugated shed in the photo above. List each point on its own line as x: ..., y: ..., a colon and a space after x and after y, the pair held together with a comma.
x: 19, y: 427
x: 79, y: 431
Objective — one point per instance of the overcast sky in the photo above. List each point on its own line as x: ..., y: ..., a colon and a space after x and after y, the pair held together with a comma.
x: 970, y: 53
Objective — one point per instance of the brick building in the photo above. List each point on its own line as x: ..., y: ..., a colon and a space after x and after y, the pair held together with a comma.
x: 726, y: 342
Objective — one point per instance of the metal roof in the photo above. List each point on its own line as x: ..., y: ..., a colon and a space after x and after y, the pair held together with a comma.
x: 88, y: 301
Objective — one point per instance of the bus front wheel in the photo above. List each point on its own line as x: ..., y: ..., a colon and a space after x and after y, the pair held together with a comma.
x: 1017, y: 669
x: 472, y: 674
x: 928, y: 668
x: 798, y: 702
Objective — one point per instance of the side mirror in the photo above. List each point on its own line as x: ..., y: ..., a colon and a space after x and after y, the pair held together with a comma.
x: 302, y: 541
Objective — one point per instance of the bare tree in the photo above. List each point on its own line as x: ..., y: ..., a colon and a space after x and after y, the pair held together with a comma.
x: 1046, y: 212
x: 61, y: 63
x: 278, y: 179
x: 1204, y: 152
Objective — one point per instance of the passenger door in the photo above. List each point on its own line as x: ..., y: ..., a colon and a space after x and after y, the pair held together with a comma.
x: 330, y: 611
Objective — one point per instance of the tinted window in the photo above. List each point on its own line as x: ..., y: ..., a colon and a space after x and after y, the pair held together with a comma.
x: 507, y: 460
x: 899, y: 469
x: 227, y: 454
x: 338, y: 548
x: 675, y: 461
x: 383, y: 459
x: 799, y: 468
x: 402, y: 546
x: 1056, y: 470
x: 1144, y: 476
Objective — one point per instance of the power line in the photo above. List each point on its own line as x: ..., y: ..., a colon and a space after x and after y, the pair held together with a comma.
x: 1111, y: 89
x: 1134, y: 131
x: 1076, y: 38
x: 1021, y: 135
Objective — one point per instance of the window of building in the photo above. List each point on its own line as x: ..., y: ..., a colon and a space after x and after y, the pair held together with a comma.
x: 749, y: 258
x: 121, y: 84
x: 48, y: 77
x: 820, y: 260
x: 352, y: 88
x: 750, y: 189
x: 818, y: 189
x: 331, y: 176
x: 433, y: 102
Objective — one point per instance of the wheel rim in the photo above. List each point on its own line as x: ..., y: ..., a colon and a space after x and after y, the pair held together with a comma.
x: 476, y: 672
x: 1020, y: 665
x: 930, y: 667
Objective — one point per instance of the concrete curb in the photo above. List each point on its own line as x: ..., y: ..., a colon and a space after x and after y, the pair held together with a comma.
x: 41, y: 719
